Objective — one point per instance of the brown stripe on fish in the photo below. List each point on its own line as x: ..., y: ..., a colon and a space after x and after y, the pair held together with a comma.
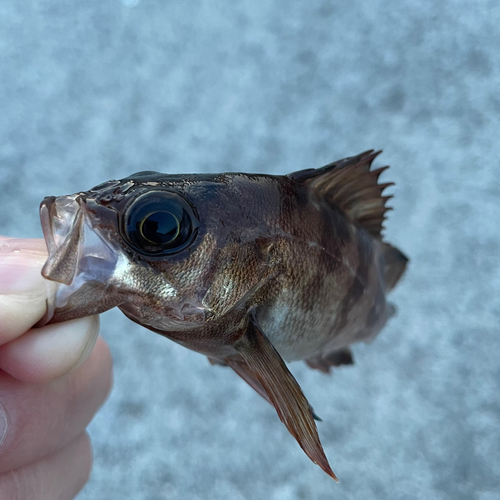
x: 311, y: 286
x: 376, y: 311
x: 328, y: 235
x: 334, y: 237
x: 341, y: 226
x: 364, y: 257
x: 293, y: 208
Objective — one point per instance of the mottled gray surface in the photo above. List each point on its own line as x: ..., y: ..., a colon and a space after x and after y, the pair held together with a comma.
x: 99, y: 89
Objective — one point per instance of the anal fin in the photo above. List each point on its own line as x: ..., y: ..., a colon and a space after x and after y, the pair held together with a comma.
x: 216, y: 362
x: 324, y: 361
x: 266, y: 365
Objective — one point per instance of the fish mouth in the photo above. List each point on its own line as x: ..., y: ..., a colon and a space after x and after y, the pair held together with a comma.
x: 78, y: 253
x: 62, y: 227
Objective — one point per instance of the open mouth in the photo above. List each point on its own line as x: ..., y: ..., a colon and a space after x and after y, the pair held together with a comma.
x: 62, y: 227
x: 78, y: 254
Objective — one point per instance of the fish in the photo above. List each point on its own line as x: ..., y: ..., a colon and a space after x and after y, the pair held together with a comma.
x: 250, y: 270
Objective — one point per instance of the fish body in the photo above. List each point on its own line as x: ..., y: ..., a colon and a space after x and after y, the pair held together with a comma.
x: 249, y: 270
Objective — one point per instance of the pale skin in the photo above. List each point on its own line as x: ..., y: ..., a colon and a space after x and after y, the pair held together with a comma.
x: 52, y: 382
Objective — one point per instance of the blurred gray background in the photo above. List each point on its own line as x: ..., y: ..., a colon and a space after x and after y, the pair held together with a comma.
x: 96, y: 90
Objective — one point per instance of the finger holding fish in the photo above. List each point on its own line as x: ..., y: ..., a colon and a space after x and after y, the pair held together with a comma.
x: 23, y: 291
x: 36, y: 354
x: 52, y: 382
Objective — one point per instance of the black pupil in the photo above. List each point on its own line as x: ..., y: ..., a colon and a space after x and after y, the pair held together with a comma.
x: 160, y: 228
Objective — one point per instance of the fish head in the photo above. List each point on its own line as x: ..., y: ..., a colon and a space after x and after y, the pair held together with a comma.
x: 146, y: 244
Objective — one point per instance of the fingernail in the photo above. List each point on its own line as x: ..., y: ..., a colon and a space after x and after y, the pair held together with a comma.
x: 23, y: 245
x: 3, y: 425
x: 92, y: 338
x: 4, y: 244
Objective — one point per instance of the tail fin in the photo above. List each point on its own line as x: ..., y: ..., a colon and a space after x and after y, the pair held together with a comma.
x: 395, y: 265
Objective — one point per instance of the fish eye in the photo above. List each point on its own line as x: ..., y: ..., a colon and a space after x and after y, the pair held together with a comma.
x: 159, y: 223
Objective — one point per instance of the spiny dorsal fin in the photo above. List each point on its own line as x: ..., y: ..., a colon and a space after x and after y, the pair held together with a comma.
x: 351, y: 186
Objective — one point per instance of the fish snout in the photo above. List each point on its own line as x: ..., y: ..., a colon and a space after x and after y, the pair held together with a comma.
x: 75, y: 246
x: 81, y: 260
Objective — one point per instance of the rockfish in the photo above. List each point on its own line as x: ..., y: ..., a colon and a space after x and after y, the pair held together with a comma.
x: 249, y: 270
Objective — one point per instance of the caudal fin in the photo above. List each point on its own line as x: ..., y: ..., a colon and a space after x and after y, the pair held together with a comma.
x: 395, y: 265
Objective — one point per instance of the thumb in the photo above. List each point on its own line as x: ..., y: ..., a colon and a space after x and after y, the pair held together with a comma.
x: 23, y: 290
x: 42, y: 354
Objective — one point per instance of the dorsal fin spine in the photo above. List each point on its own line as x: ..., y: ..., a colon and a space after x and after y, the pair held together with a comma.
x: 350, y: 186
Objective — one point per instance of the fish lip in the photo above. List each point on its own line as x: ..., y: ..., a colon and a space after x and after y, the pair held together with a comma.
x: 62, y: 227
x: 45, y: 211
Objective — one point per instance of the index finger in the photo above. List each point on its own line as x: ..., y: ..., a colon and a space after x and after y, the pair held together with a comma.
x: 23, y: 290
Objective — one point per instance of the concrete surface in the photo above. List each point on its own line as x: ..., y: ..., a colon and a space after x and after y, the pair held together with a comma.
x: 99, y: 89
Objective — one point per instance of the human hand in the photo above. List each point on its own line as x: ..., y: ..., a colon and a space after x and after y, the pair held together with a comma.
x: 52, y: 381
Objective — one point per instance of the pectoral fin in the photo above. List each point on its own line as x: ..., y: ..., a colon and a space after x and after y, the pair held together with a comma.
x: 265, y: 364
x: 241, y: 368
